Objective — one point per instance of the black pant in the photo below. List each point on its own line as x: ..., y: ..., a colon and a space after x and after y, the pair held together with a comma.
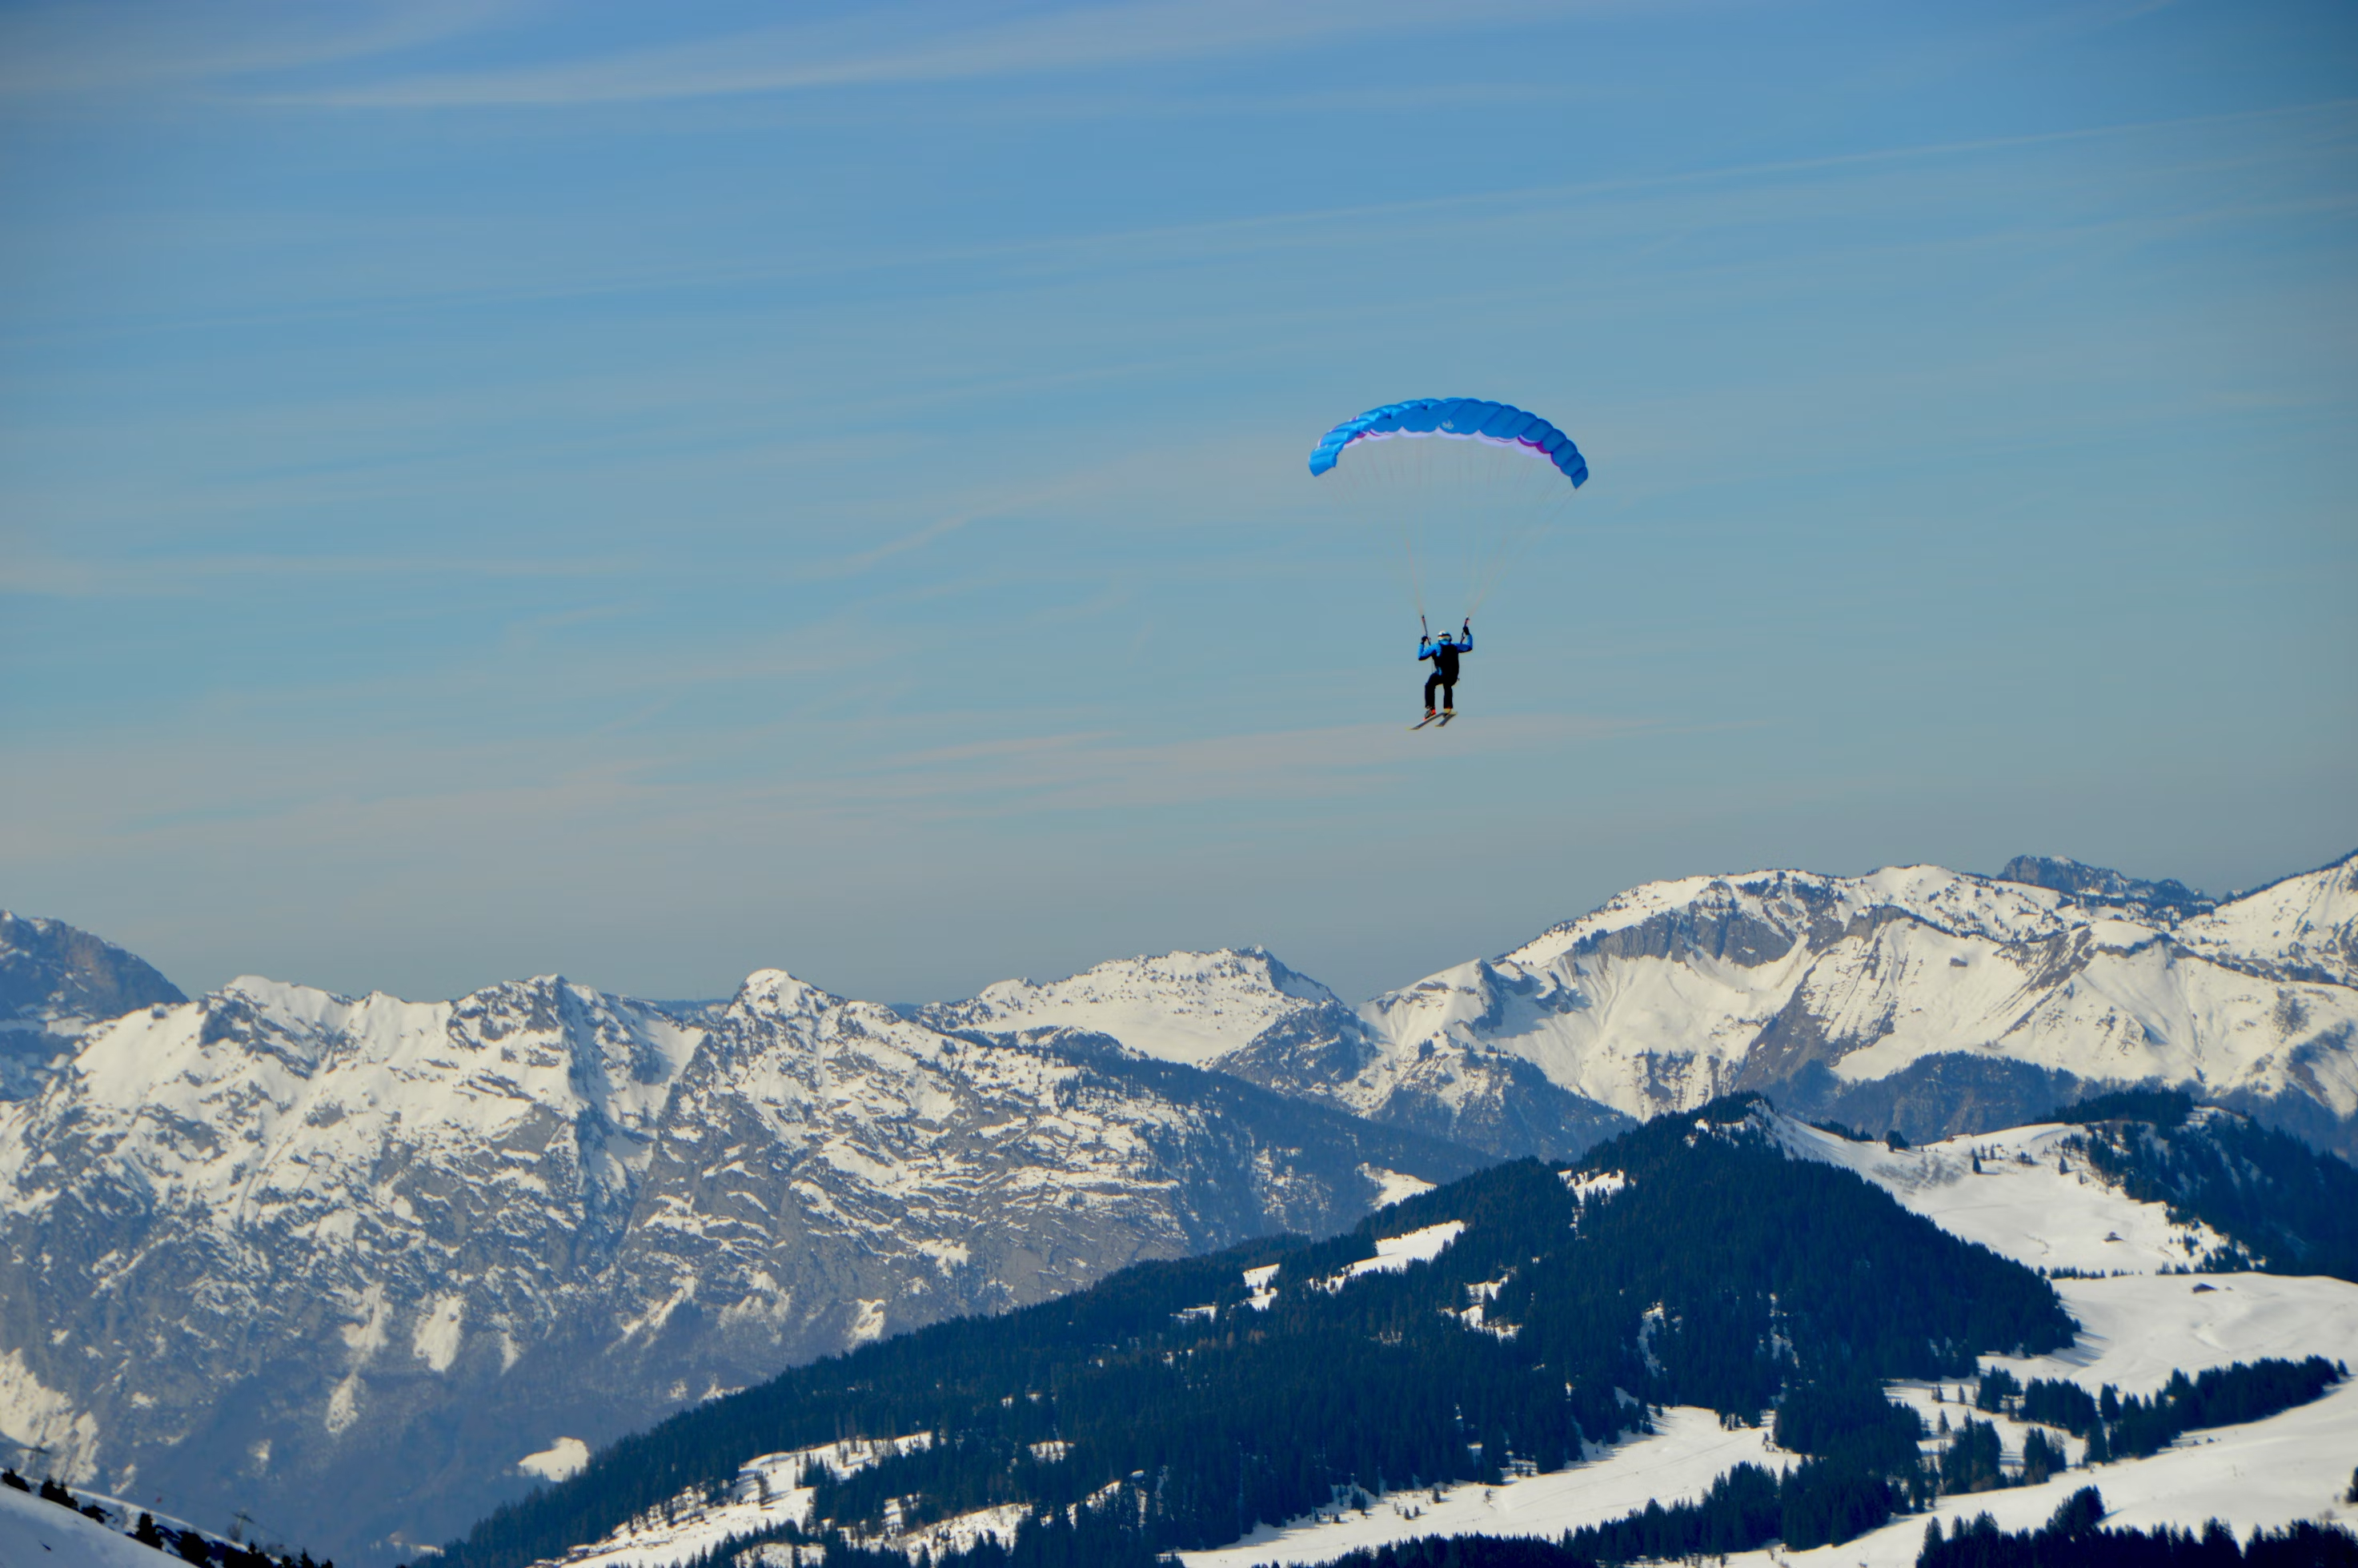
x: 1448, y: 684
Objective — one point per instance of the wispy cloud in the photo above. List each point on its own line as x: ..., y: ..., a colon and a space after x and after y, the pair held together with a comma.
x: 66, y: 577
x: 909, y: 46
x: 70, y: 50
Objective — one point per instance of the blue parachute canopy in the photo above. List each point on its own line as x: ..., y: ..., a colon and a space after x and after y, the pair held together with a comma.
x: 1463, y: 419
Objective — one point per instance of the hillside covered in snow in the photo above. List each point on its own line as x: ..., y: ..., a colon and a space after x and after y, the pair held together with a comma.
x: 1849, y: 1319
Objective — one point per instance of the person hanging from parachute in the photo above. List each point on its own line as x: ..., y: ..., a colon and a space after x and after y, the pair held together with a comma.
x: 1443, y: 654
x: 1483, y: 490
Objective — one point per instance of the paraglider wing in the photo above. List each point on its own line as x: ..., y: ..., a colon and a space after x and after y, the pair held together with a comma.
x: 1458, y: 419
x: 1479, y: 495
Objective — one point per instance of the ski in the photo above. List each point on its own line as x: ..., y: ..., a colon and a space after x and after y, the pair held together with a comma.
x: 1423, y: 722
x: 1445, y: 719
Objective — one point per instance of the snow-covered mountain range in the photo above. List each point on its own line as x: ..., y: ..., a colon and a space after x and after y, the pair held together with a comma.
x: 1915, y: 998
x: 1920, y: 999
x: 1246, y: 1014
x: 347, y: 1264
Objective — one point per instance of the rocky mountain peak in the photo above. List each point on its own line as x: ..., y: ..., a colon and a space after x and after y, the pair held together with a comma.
x: 777, y: 993
x: 2164, y: 902
x: 56, y: 981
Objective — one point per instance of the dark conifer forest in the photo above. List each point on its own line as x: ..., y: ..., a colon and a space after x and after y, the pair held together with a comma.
x: 2285, y: 1205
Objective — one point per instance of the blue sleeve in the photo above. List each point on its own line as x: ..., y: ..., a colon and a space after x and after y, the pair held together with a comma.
x: 1424, y: 651
x: 1465, y: 644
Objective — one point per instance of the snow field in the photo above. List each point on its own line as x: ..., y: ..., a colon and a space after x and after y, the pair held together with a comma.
x: 2267, y: 1474
x: 1687, y: 1452
x: 2037, y: 1213
x: 2302, y: 922
x: 36, y: 1534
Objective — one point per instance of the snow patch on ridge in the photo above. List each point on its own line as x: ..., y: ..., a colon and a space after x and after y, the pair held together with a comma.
x: 565, y: 1457
x: 1392, y: 1186
x: 1394, y: 1254
x: 771, y: 1490
x: 1595, y: 1183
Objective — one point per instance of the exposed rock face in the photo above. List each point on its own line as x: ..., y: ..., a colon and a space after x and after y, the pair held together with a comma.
x: 55, y: 982
x: 343, y: 1263
x: 2165, y: 903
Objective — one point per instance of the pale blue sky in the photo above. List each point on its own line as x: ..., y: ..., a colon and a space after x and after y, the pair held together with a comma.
x: 650, y: 492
